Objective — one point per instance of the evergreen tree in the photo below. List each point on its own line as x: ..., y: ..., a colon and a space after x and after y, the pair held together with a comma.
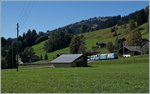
x: 132, y: 25
x: 74, y: 45
x: 4, y: 63
x: 10, y: 58
x: 28, y: 39
x: 3, y: 41
x: 34, y: 35
x: 141, y: 17
x: 46, y: 57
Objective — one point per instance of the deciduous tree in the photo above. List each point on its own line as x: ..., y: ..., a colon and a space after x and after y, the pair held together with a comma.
x: 110, y: 47
x: 134, y: 38
x: 77, y: 45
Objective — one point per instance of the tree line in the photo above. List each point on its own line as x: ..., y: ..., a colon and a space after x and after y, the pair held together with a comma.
x: 96, y: 23
x: 9, y: 47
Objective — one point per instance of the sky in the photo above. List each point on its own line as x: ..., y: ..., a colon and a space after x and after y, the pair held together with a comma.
x: 49, y: 15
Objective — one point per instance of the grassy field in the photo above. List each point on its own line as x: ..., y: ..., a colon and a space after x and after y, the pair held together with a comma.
x: 115, y: 76
x: 103, y: 35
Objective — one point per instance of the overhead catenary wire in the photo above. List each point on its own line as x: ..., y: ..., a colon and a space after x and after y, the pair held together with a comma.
x: 25, y: 13
x: 28, y: 16
x: 21, y: 12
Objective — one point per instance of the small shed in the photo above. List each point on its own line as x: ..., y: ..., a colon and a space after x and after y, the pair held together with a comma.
x: 70, y: 60
x: 101, y: 44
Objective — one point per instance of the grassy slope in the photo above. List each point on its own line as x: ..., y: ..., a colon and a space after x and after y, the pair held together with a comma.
x: 144, y: 30
x: 39, y: 50
x: 122, y: 75
x: 103, y: 35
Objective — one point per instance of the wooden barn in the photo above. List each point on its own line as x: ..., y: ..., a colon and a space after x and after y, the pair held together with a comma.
x: 70, y: 60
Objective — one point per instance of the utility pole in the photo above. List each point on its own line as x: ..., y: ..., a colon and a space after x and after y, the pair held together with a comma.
x: 17, y: 45
x: 123, y: 47
x: 12, y: 55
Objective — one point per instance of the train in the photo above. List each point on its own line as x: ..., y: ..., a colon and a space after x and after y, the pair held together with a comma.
x: 107, y: 56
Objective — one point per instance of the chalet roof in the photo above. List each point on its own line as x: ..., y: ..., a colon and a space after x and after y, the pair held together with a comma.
x: 133, y: 48
x: 66, y: 58
x: 146, y: 44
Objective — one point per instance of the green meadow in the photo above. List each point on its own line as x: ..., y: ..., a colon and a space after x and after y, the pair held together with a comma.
x: 128, y: 75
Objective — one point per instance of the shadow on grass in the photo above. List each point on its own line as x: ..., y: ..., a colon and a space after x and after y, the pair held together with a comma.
x: 88, y: 66
x: 141, y: 28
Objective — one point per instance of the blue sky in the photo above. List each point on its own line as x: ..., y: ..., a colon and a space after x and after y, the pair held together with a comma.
x: 48, y: 15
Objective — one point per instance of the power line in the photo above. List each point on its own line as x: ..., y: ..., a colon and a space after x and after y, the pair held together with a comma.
x: 28, y: 14
x: 21, y: 12
x: 25, y: 13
